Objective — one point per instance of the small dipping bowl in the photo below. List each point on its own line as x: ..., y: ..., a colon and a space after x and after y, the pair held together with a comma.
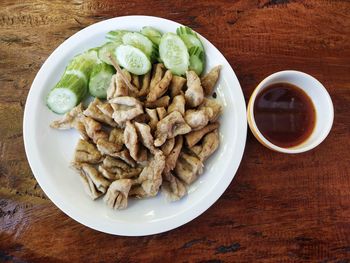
x: 320, y: 98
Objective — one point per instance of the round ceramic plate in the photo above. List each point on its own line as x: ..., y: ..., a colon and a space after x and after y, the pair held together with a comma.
x: 50, y: 151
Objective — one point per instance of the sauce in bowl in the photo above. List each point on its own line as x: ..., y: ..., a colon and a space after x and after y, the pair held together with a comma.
x: 284, y: 114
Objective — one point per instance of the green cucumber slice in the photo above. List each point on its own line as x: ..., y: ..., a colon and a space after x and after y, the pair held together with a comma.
x: 106, y: 50
x: 133, y: 59
x: 153, y: 34
x: 72, y: 87
x: 83, y: 63
x: 100, y: 79
x: 173, y: 52
x: 91, y: 55
x: 197, y: 60
x: 67, y: 93
x: 116, y: 35
x: 189, y: 37
x: 141, y: 42
x: 196, y: 65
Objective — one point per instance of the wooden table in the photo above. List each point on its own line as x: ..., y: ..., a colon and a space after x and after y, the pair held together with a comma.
x: 279, y: 207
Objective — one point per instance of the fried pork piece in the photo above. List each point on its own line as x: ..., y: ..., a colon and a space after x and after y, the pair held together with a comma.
x: 94, y: 112
x: 169, y: 127
x: 137, y: 151
x: 151, y: 176
x: 145, y: 85
x: 125, y: 156
x: 194, y: 94
x: 209, y: 80
x: 188, y: 167
x: 107, y: 174
x: 72, y: 119
x: 168, y: 146
x: 161, y: 102
x: 152, y: 113
x: 112, y: 87
x: 117, y: 194
x: 69, y: 119
x: 214, y: 106
x: 208, y: 146
x: 160, y: 88
x: 115, y: 165
x: 95, y: 184
x: 145, y: 136
x: 113, y: 145
x: 93, y: 129
x: 171, y: 158
x: 138, y: 192
x: 161, y: 111
x: 80, y: 127
x: 116, y: 136
x: 118, y: 87
x: 125, y: 109
x: 106, y: 109
x: 173, y: 188
x: 176, y: 85
x: 114, y: 169
x: 86, y: 152
x: 178, y: 104
x: 195, y: 136
x: 157, y: 74
x: 143, y: 118
x: 107, y: 147
x: 135, y: 81
x: 198, y: 119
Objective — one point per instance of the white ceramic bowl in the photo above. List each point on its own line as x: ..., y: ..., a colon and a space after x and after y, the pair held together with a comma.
x: 320, y: 98
x: 50, y: 151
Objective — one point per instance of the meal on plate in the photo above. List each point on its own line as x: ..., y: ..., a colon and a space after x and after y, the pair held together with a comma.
x: 152, y: 123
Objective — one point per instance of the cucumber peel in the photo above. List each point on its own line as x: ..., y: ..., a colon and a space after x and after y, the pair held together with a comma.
x: 100, y: 79
x: 197, y: 60
x: 84, y: 63
x: 153, y: 34
x: 116, y: 35
x: 189, y: 37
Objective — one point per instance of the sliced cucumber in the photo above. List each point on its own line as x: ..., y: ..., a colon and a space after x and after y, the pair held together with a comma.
x: 153, y: 34
x: 133, y: 59
x: 72, y: 87
x: 197, y: 60
x: 196, y: 65
x: 83, y: 63
x: 173, y: 52
x: 67, y: 93
x: 189, y: 37
x: 106, y: 50
x: 195, y: 48
x: 116, y: 35
x: 141, y: 42
x: 100, y: 79
x: 91, y: 55
x: 80, y: 74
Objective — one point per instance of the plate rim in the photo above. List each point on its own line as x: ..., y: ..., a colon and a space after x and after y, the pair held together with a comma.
x: 186, y: 217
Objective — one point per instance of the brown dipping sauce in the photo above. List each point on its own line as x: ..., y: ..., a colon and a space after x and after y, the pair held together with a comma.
x: 284, y: 114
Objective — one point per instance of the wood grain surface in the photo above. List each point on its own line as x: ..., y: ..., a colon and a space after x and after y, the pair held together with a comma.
x: 279, y: 208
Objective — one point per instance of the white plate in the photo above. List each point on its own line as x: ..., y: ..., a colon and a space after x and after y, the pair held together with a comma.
x: 49, y: 151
